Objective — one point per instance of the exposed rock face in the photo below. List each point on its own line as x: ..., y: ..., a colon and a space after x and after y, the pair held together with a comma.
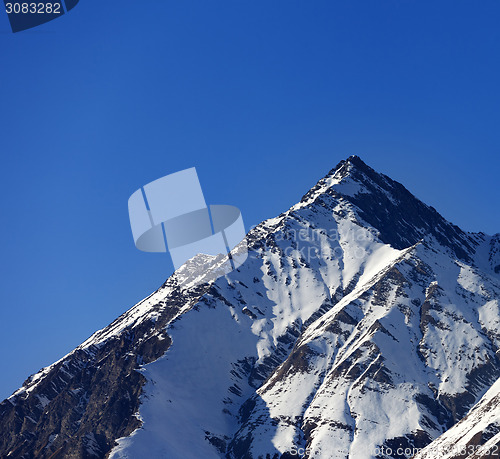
x: 476, y: 436
x: 362, y: 325
x: 77, y: 407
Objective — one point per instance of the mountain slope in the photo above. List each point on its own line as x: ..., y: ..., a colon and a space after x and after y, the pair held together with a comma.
x: 477, y: 435
x: 361, y: 322
x: 392, y: 365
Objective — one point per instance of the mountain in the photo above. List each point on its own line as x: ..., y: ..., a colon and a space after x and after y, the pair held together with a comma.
x: 361, y: 325
x: 477, y: 435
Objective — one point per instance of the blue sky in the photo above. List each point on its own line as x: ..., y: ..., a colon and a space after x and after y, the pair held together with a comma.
x: 262, y: 97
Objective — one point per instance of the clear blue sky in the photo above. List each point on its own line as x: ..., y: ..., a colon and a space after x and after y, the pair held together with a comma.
x: 263, y: 97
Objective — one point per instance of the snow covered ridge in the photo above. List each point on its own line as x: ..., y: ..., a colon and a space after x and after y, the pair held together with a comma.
x: 362, y: 325
x: 476, y: 435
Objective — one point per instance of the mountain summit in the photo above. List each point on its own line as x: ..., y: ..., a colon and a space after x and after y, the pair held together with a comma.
x: 361, y: 325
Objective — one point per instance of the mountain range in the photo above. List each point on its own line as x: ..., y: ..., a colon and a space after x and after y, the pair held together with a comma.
x: 361, y: 325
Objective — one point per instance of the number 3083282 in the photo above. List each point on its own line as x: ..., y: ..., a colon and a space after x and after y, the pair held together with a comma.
x: 33, y: 8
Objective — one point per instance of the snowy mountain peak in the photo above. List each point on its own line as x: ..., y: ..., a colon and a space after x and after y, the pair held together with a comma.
x: 385, y: 205
x: 361, y: 322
